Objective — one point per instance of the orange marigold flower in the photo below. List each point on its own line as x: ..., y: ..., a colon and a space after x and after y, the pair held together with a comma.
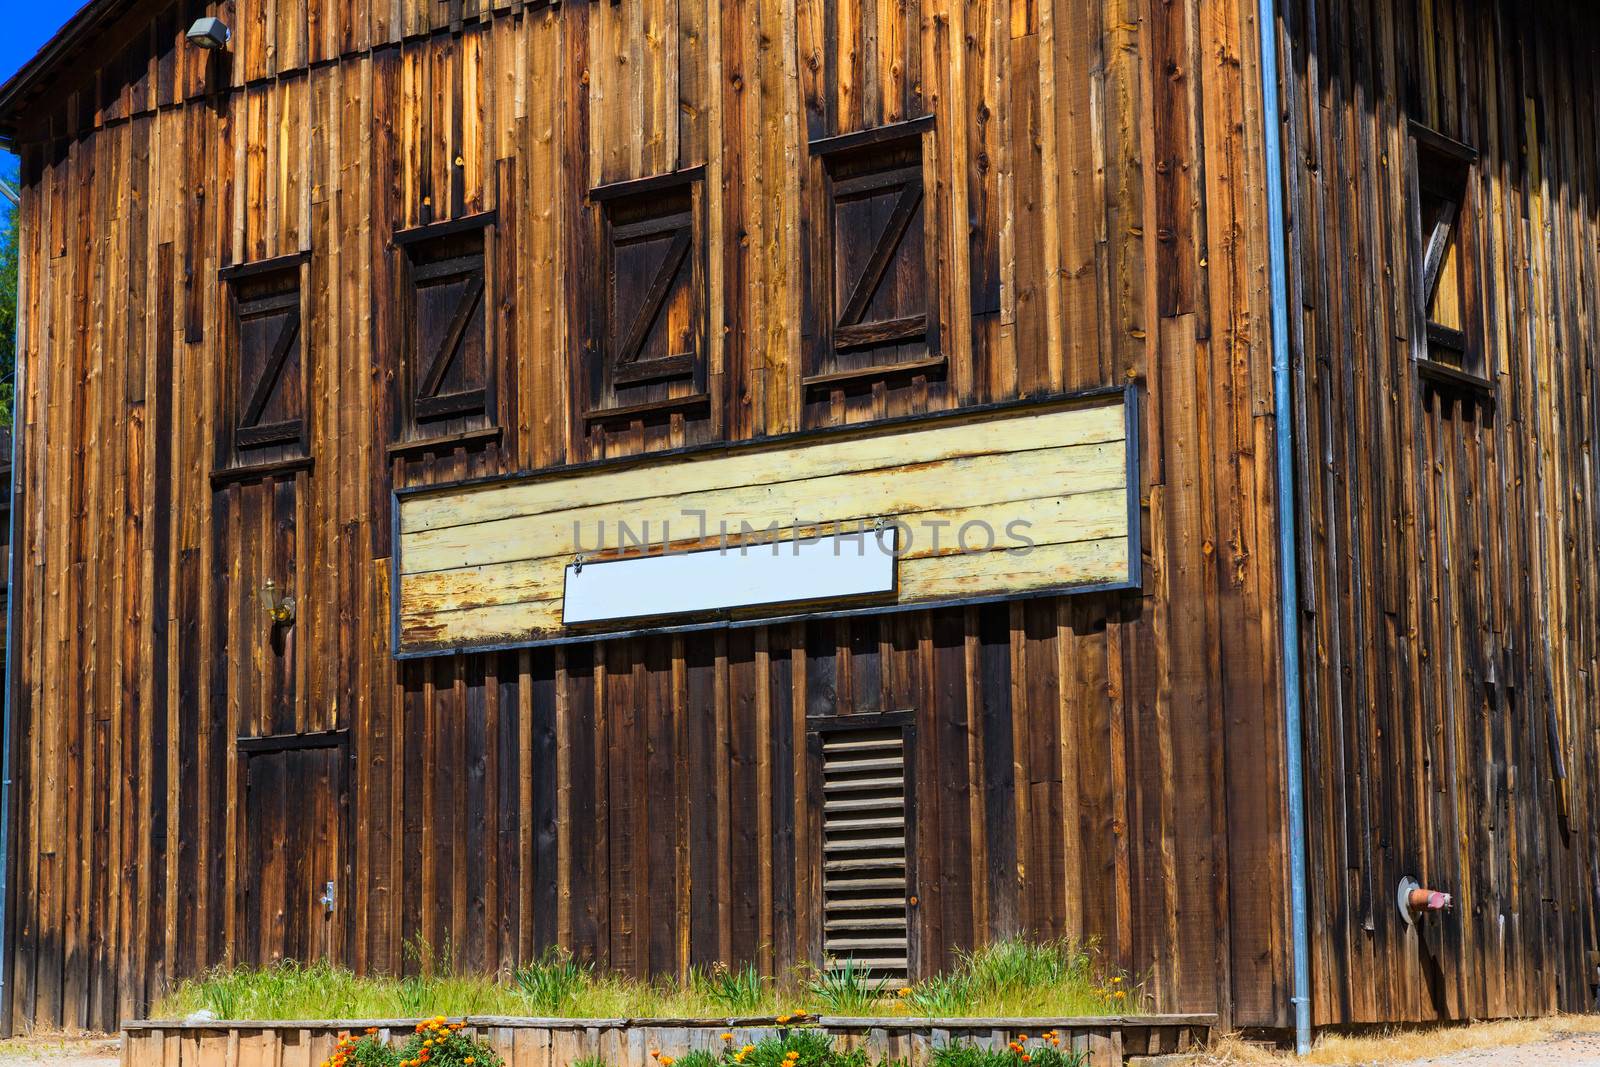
x: 470, y: 1060
x: 666, y: 1061
x: 783, y: 1019
x: 1026, y: 1058
x: 727, y: 1037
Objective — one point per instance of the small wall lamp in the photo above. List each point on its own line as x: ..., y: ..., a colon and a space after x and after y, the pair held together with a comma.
x: 209, y: 33
x: 279, y: 608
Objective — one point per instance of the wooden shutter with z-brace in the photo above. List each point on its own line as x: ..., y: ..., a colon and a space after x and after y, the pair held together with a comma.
x: 872, y: 289
x: 648, y: 358
x: 449, y: 378
x: 267, y: 337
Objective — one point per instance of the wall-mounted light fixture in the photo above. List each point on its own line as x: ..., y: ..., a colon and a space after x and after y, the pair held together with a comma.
x: 279, y: 608
x: 209, y: 33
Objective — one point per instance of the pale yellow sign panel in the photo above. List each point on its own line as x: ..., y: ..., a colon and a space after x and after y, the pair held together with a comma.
x: 1006, y: 503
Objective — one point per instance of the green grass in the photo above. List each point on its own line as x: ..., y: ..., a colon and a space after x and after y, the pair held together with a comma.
x: 734, y: 992
x: 1028, y: 979
x: 848, y: 990
x: 1015, y: 978
x: 553, y: 983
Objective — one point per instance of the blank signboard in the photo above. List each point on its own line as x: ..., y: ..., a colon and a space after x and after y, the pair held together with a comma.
x: 1014, y: 501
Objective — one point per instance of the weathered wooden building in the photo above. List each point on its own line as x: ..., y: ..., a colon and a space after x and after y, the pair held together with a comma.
x: 334, y: 338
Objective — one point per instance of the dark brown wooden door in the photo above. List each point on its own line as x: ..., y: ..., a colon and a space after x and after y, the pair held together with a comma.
x: 293, y: 877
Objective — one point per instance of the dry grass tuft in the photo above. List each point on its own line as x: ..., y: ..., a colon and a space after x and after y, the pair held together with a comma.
x: 1403, y: 1046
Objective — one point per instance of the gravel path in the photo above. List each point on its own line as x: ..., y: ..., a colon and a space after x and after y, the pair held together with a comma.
x: 1571, y: 1050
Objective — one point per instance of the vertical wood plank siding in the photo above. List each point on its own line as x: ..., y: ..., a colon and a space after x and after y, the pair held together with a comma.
x: 1105, y: 766
x: 1450, y: 552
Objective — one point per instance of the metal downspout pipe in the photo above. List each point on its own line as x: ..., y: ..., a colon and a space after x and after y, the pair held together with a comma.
x: 9, y: 193
x: 1288, y: 556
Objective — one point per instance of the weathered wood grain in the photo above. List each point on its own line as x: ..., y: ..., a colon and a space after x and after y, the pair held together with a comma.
x: 1450, y: 527
x: 1069, y: 754
x: 1014, y: 498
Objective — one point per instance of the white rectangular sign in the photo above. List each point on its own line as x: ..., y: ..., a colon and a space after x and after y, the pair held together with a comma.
x: 721, y: 579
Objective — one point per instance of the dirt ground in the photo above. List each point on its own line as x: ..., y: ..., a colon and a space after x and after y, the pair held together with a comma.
x: 1576, y: 1050
x: 1562, y: 1041
x: 95, y: 1051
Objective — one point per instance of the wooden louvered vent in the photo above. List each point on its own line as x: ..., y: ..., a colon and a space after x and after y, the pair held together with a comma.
x: 864, y: 850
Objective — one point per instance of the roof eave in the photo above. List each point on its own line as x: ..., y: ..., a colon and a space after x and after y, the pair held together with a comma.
x: 27, y: 82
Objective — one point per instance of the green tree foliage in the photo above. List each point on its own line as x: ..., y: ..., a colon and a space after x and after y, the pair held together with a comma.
x: 8, y: 297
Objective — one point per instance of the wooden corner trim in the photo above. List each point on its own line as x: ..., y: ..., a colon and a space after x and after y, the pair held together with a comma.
x: 874, y: 373
x: 1438, y: 142
x: 487, y: 435
x: 253, y: 471
x: 850, y: 431
x: 641, y: 186
x: 263, y: 266
x: 447, y: 228
x: 692, y: 402
x: 878, y: 720
x: 293, y: 742
x: 894, y: 131
x: 1446, y: 376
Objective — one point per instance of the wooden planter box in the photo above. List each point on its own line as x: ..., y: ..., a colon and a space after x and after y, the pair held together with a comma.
x: 1110, y: 1041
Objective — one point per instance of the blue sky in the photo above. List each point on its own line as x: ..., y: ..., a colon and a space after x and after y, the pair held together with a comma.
x: 29, y: 24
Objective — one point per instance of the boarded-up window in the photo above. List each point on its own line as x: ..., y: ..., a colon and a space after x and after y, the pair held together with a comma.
x: 266, y: 387
x: 649, y: 340
x: 449, y: 379
x: 1445, y: 280
x: 872, y: 286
